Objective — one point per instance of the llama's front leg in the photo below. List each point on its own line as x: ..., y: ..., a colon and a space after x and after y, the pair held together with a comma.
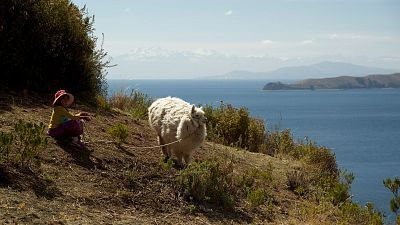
x: 164, y: 149
x: 187, y: 158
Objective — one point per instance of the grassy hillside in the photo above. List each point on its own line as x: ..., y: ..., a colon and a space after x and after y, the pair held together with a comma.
x: 128, y: 184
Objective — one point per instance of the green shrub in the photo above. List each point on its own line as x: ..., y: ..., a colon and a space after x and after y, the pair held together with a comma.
x: 353, y: 213
x: 130, y: 177
x: 50, y: 45
x: 394, y: 187
x: 256, y: 135
x: 279, y: 142
x: 255, y: 178
x: 209, y: 182
x: 297, y: 182
x: 6, y: 143
x: 234, y: 127
x: 192, y: 209
x: 30, y: 140
x: 136, y: 103
x: 257, y: 197
x: 168, y: 164
x: 338, y: 191
x: 102, y: 103
x: 119, y: 132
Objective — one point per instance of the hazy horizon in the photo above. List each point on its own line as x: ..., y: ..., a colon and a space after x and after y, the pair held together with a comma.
x: 187, y: 39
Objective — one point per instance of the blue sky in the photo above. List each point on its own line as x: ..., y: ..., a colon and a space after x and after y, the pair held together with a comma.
x: 188, y: 38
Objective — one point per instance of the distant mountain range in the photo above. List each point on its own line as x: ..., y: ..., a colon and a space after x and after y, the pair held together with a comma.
x: 343, y: 82
x: 319, y: 70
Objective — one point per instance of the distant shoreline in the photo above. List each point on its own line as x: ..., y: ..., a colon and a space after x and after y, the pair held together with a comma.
x: 340, y: 83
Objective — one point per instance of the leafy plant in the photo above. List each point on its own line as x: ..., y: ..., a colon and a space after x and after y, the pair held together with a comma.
x: 102, y: 103
x: 257, y: 197
x: 6, y: 143
x: 297, y: 182
x: 338, y: 191
x: 234, y: 127
x: 130, y: 178
x: 394, y: 186
x: 279, y: 142
x: 30, y: 140
x: 210, y: 182
x: 119, y: 132
x: 353, y: 213
x: 255, y: 178
x: 168, y: 164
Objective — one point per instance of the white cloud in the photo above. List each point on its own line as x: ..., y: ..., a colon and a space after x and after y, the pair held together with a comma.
x: 360, y: 37
x: 127, y: 10
x: 267, y: 42
x: 228, y: 13
x: 308, y: 42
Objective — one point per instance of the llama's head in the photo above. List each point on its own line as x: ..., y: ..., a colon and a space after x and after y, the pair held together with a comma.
x: 198, y: 116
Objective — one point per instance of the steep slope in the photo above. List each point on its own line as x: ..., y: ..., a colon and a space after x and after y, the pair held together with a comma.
x: 107, y: 184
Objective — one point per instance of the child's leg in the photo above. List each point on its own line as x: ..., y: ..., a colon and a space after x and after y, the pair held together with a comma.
x: 57, y: 133
x: 73, y: 128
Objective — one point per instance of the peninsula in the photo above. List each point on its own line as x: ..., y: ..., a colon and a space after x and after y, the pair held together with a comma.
x: 342, y: 82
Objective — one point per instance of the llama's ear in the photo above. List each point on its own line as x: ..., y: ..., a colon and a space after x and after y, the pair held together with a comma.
x: 193, y: 109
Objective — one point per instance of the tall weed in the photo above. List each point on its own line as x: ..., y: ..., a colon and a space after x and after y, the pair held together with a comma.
x: 136, y: 103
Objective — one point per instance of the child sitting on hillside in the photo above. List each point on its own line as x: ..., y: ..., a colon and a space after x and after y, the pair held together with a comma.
x: 65, y: 126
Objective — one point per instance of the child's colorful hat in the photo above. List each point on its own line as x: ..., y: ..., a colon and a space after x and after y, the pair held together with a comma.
x: 61, y: 93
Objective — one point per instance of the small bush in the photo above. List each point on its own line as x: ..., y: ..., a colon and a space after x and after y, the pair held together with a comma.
x: 353, y: 213
x: 130, y: 177
x: 323, y: 159
x: 192, y: 209
x: 168, y: 164
x: 119, y: 132
x: 257, y: 197
x: 297, y: 182
x: 102, y: 103
x: 30, y: 140
x: 6, y: 143
x: 255, y: 178
x: 209, y: 182
x: 279, y: 142
x: 338, y: 191
x: 394, y: 186
x: 24, y: 144
x: 136, y: 103
x: 234, y: 127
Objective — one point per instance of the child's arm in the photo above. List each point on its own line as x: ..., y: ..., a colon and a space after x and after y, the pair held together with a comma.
x: 64, y: 112
x: 84, y: 115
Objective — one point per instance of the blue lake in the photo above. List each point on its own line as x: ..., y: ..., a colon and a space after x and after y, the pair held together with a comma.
x: 362, y: 127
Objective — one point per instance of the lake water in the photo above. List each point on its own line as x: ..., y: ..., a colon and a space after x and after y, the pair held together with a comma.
x: 362, y: 127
